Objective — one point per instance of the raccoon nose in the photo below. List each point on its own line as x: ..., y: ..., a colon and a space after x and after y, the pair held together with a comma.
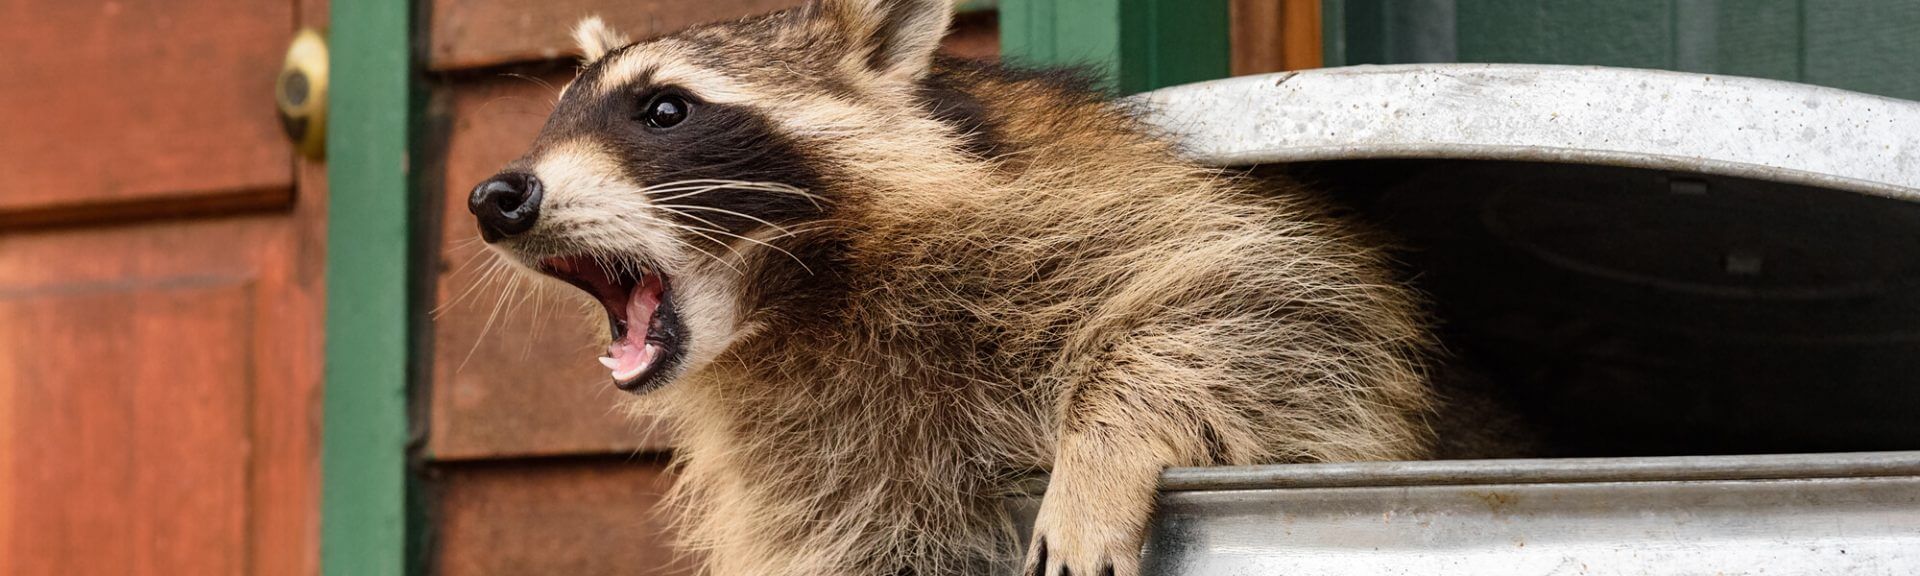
x: 506, y: 205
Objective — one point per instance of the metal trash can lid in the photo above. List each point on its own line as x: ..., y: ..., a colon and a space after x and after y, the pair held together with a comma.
x: 1702, y: 123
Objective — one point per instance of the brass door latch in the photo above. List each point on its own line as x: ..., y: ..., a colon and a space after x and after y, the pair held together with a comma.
x: 301, y: 93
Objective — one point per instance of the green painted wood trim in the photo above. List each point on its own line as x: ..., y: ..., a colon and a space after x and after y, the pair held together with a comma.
x: 1864, y: 45
x: 366, y: 505
x: 1335, y: 34
x: 1138, y: 45
x: 975, y: 5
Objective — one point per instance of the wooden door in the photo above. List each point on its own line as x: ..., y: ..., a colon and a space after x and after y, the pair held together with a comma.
x: 161, y: 255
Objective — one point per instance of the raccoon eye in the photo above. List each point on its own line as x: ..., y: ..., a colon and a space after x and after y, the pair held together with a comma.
x: 666, y: 111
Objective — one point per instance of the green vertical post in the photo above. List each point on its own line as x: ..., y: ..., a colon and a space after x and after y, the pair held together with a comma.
x: 365, y: 502
x: 1333, y: 33
x: 1138, y: 45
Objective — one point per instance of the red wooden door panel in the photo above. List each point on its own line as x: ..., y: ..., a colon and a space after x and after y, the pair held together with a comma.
x: 128, y: 461
x: 158, y: 398
x: 130, y: 104
x: 161, y: 268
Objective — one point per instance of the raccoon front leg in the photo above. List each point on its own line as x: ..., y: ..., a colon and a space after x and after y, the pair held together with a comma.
x: 1094, y: 516
x: 1118, y: 430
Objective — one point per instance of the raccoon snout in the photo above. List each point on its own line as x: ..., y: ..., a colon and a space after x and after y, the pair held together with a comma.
x: 506, y: 205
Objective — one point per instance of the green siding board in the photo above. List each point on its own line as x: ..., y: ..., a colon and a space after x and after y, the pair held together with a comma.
x: 1633, y: 34
x: 1866, y: 45
x: 1137, y: 45
x: 1762, y: 39
x: 366, y: 507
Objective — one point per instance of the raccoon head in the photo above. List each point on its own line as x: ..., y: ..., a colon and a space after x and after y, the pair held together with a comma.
x: 676, y: 177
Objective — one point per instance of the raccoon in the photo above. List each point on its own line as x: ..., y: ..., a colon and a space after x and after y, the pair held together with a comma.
x: 875, y: 288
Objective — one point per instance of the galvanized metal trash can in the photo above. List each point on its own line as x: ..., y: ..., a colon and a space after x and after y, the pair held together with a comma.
x: 1710, y: 285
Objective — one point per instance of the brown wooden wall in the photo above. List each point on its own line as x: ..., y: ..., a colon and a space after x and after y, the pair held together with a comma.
x: 1274, y: 35
x: 534, y: 473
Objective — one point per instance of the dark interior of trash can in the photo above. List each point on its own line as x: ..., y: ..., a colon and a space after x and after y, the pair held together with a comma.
x: 1644, y: 312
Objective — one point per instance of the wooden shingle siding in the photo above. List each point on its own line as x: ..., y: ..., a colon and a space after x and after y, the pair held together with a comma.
x: 587, y: 517
x: 1274, y: 35
x: 481, y: 33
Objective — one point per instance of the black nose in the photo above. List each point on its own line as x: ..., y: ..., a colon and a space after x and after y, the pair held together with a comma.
x: 506, y: 205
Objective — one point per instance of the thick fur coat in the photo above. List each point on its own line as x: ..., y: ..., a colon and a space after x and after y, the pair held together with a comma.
x: 902, y: 284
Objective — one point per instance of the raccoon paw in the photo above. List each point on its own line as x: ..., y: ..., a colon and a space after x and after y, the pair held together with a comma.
x: 1072, y: 544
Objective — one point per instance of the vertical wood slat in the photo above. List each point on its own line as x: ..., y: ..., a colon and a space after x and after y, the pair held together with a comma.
x: 369, y: 319
x: 1275, y: 35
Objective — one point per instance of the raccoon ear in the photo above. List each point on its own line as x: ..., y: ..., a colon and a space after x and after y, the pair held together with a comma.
x: 596, y: 39
x: 897, y: 37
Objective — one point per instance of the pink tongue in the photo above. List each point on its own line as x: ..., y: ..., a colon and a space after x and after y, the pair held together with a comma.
x: 632, y: 355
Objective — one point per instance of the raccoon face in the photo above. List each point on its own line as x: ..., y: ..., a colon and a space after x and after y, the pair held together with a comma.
x: 675, y: 176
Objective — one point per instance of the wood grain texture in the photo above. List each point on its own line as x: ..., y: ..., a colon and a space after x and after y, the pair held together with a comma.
x: 131, y: 100
x: 286, y: 405
x: 974, y: 35
x: 132, y: 450
x: 1275, y: 35
x: 471, y: 34
x: 159, y: 292
x: 480, y: 33
x: 581, y: 518
x: 146, y: 209
x: 177, y: 364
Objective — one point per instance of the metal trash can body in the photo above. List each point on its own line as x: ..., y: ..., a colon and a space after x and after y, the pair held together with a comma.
x: 1691, y: 273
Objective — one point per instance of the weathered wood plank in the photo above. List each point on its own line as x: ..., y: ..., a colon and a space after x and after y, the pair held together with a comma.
x: 480, y: 33
x: 128, y: 426
x: 132, y: 101
x: 154, y: 347
x: 581, y: 518
x: 1274, y: 35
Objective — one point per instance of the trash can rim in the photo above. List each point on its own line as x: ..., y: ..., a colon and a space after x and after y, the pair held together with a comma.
x: 1700, y: 123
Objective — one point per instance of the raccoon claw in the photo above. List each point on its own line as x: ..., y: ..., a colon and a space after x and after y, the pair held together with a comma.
x: 1084, y: 558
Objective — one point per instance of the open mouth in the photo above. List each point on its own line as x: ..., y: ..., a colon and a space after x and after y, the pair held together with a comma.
x: 640, y: 315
